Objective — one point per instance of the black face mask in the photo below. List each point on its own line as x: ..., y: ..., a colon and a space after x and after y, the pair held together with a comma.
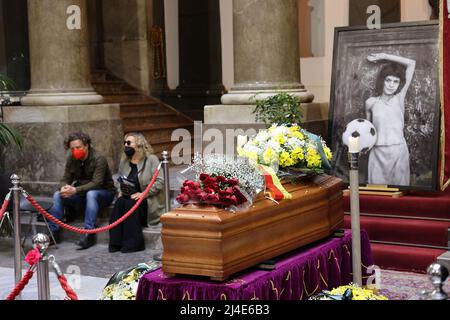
x: 129, y: 151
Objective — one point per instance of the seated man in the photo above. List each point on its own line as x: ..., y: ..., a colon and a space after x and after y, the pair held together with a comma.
x: 87, y: 183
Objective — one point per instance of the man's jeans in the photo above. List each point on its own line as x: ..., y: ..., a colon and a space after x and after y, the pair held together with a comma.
x: 93, y: 201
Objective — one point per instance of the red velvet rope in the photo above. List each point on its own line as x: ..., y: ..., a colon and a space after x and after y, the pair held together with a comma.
x: 98, y: 230
x: 3, y: 208
x: 70, y: 293
x: 18, y: 289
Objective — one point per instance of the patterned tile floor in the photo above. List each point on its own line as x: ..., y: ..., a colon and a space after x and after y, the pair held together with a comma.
x: 406, y: 286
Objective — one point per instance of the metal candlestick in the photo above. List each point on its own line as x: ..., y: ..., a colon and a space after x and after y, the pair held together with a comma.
x: 353, y: 159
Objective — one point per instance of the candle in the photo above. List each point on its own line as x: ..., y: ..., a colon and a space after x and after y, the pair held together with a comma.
x: 353, y: 144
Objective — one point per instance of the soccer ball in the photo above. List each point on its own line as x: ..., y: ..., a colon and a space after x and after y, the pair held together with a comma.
x: 363, y: 129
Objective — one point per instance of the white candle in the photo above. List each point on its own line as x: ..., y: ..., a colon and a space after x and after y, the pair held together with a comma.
x: 353, y: 144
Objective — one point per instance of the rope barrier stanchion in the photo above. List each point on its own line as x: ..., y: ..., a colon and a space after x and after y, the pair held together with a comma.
x: 165, y: 166
x: 97, y: 230
x: 33, y: 257
x: 16, y: 190
x: 41, y: 242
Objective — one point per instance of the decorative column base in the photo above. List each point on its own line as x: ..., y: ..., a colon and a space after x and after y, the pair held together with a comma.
x: 61, y: 99
x: 41, y: 162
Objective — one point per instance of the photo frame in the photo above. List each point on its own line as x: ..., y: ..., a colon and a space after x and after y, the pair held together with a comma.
x: 356, y: 95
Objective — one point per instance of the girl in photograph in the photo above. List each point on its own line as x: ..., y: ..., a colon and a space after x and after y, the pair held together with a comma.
x: 389, y: 158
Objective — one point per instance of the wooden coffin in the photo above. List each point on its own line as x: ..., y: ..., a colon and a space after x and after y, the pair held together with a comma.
x: 209, y: 241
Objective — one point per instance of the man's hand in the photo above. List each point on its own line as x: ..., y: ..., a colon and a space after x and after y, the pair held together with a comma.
x: 67, y: 191
x: 136, y: 196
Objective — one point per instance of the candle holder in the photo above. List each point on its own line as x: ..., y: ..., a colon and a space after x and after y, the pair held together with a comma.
x: 353, y: 161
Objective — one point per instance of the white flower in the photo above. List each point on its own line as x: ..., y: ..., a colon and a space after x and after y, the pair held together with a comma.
x: 274, y: 145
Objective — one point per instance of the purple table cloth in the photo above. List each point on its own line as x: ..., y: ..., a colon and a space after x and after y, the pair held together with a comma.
x: 298, y: 275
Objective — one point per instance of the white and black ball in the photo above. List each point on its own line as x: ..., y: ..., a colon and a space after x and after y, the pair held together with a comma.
x: 365, y: 130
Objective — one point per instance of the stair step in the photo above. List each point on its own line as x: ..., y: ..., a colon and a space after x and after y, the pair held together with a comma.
x: 403, y: 258
x: 151, y: 236
x: 407, y: 231
x: 118, y: 98
x: 145, y: 113
x: 146, y: 102
x: 120, y: 93
x: 152, y: 127
x: 142, y: 113
x: 153, y: 103
x: 167, y: 141
x: 110, y: 81
x: 153, y: 136
x: 426, y: 205
x: 153, y: 123
x: 138, y: 109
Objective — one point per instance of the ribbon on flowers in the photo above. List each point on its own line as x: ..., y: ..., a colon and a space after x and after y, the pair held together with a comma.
x: 325, y: 163
x: 273, y: 184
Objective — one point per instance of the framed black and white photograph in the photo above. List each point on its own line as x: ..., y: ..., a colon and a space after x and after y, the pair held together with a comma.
x: 387, y: 78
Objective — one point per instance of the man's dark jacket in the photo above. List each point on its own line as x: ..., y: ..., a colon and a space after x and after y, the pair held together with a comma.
x: 90, y: 174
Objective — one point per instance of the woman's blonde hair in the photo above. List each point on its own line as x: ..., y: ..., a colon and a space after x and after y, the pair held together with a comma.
x: 141, y: 143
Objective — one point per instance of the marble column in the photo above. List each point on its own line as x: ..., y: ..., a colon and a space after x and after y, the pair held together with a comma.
x: 59, y: 56
x: 61, y: 100
x: 266, y: 51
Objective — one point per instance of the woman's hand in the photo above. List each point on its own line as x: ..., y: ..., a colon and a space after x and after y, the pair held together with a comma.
x: 374, y: 57
x: 136, y: 196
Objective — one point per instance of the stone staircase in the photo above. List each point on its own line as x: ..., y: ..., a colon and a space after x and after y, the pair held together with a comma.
x: 140, y: 112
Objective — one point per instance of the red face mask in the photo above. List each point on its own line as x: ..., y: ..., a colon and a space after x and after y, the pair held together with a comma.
x: 78, y: 154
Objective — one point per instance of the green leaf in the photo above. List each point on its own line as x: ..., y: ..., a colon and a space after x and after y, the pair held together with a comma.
x: 6, y: 83
x: 10, y: 136
x: 281, y: 108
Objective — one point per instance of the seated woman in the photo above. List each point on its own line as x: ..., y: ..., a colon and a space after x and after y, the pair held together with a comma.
x: 136, y: 169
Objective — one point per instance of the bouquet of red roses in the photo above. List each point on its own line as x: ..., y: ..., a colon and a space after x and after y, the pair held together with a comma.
x: 216, y: 190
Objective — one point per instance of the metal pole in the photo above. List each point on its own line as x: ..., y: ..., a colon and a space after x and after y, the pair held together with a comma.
x: 354, y: 210
x: 16, y: 191
x: 41, y: 243
x: 165, y: 164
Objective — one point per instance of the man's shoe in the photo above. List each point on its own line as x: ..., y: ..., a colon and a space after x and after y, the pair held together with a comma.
x: 87, y: 241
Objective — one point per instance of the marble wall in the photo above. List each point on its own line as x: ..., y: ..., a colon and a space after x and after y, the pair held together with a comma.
x: 40, y: 164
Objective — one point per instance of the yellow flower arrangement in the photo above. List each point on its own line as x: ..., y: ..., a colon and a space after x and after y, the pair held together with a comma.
x: 123, y: 285
x: 287, y: 147
x: 342, y: 293
x: 358, y: 293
